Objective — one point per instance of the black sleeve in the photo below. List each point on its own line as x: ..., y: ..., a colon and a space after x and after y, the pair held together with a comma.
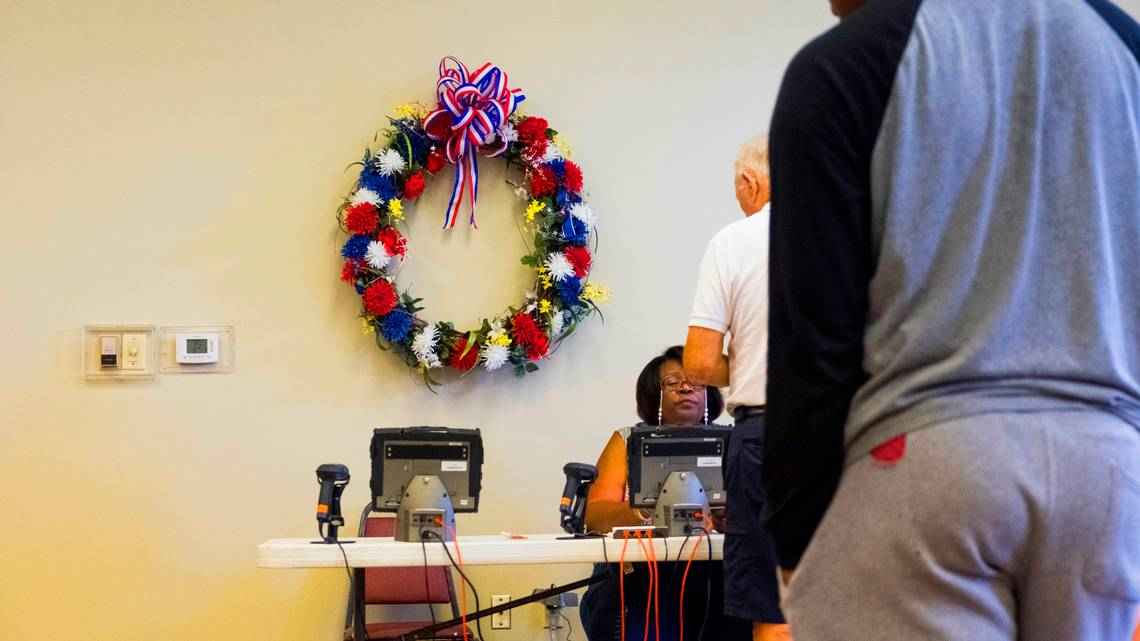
x: 824, y: 126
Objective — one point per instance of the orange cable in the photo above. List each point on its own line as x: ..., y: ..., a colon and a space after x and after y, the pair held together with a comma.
x: 649, y: 596
x: 656, y: 589
x: 621, y: 585
x: 684, y: 578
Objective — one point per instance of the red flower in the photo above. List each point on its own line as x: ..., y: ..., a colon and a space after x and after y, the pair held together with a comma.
x: 459, y: 360
x: 530, y: 336
x: 532, y: 129
x: 361, y: 218
x: 542, y: 182
x: 536, y: 150
x: 537, y: 349
x: 435, y: 161
x: 573, y: 177
x: 525, y: 330
x: 414, y: 186
x: 380, y: 298
x: 579, y: 257
x: 394, y: 243
x: 348, y: 272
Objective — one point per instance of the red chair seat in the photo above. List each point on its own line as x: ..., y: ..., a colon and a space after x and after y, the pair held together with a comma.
x: 393, y: 629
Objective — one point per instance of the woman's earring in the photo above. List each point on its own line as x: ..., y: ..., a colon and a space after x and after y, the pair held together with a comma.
x: 660, y: 405
x: 706, y: 406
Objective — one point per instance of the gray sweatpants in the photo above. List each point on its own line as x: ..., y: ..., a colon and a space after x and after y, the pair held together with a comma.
x: 994, y: 527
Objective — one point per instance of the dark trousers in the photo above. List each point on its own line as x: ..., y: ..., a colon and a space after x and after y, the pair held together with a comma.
x: 704, y: 595
x: 750, y: 585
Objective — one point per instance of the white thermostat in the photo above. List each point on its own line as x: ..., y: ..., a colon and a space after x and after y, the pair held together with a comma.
x: 196, y: 348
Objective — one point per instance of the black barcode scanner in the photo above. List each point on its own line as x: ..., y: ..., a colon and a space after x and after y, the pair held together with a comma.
x: 572, y: 507
x: 333, y: 478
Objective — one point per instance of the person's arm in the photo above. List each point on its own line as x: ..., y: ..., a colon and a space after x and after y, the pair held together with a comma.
x: 606, y: 504
x: 819, y: 273
x: 704, y: 360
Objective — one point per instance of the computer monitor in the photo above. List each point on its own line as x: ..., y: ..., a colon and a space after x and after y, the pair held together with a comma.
x: 677, y: 472
x: 425, y: 475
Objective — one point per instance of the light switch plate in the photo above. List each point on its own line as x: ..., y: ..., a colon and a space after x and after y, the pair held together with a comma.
x: 132, y: 345
x: 134, y: 353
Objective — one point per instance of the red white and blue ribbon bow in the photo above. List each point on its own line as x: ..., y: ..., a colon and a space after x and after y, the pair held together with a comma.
x: 473, y: 106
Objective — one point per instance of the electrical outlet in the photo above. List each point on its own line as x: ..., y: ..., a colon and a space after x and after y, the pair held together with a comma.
x: 501, y: 620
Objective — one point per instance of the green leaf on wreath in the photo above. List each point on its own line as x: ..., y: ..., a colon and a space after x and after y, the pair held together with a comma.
x: 472, y: 339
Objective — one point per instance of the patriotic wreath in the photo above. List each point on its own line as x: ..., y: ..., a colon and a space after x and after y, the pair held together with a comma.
x: 476, y: 114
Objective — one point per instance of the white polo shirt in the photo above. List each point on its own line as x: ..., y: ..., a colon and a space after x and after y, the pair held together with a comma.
x: 732, y: 297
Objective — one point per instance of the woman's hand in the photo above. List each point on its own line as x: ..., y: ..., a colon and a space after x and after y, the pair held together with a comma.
x: 718, y: 519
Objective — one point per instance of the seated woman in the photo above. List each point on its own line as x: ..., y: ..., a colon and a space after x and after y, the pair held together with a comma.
x: 664, y: 397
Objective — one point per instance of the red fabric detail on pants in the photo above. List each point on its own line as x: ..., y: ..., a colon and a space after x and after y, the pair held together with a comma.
x: 892, y: 451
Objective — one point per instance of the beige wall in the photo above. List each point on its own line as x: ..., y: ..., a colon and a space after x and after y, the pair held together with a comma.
x: 175, y: 163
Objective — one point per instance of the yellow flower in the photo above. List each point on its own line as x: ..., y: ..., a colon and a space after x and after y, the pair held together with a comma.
x: 410, y: 110
x: 544, y: 276
x: 501, y: 340
x: 595, y: 293
x: 366, y: 326
x: 533, y: 208
x: 562, y: 146
x: 544, y: 306
x: 396, y: 209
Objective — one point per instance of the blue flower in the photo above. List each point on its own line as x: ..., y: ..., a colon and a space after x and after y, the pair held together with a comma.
x: 371, y: 178
x: 356, y: 247
x: 419, y: 141
x: 575, y: 231
x: 396, y: 325
x: 565, y: 199
x: 569, y: 289
x: 559, y: 167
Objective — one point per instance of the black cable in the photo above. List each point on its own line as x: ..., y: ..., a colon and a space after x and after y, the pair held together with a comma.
x: 680, y: 553
x: 478, y: 622
x: 606, y: 556
x: 569, y: 628
x: 427, y: 585
x: 347, y: 569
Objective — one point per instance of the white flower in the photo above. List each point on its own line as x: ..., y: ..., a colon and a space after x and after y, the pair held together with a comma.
x: 556, y: 323
x: 582, y: 212
x: 365, y: 195
x: 377, y: 256
x: 508, y: 133
x: 390, y: 162
x: 552, y: 154
x: 494, y: 356
x: 496, y: 332
x: 423, y: 346
x: 559, y: 266
x: 521, y: 193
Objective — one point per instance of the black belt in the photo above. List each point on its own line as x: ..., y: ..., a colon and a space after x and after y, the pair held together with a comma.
x: 745, y: 412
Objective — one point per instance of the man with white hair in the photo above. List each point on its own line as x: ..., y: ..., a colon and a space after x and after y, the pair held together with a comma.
x: 732, y: 299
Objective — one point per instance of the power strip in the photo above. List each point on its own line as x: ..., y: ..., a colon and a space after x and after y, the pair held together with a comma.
x: 639, y: 532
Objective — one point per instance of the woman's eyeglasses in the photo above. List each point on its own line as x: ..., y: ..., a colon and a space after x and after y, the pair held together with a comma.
x: 675, y: 383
